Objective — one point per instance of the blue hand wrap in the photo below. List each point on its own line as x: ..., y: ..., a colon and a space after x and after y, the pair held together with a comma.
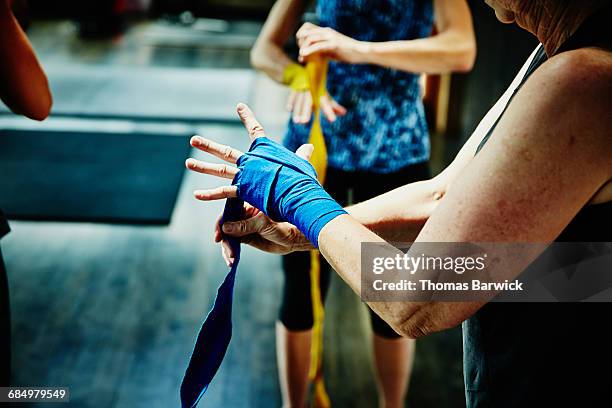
x: 285, y: 187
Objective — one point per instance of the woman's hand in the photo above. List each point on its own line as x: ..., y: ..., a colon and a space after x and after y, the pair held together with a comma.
x: 257, y: 229
x: 300, y: 104
x: 313, y: 39
x: 230, y: 155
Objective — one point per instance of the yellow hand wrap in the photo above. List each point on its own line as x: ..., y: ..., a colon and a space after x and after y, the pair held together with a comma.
x: 296, y: 77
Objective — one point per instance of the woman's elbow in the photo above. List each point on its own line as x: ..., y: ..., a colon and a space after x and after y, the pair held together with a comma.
x: 412, y: 332
x: 43, y: 111
x: 40, y: 109
x: 466, y: 57
x: 257, y: 57
x: 415, y: 327
x: 428, y: 319
x: 463, y: 50
x: 35, y: 101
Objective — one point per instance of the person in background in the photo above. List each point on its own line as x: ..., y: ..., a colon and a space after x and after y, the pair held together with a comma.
x: 25, y: 90
x: 375, y: 132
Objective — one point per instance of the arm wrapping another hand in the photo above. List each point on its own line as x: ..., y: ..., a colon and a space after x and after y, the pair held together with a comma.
x: 285, y: 187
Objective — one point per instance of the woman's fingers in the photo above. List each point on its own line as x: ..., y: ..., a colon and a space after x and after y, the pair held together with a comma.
x: 217, y: 236
x: 297, y: 108
x: 305, y: 151
x: 303, y: 31
x: 249, y: 121
x: 327, y: 109
x: 214, y: 169
x: 226, y: 248
x: 303, y: 108
x: 291, y: 100
x: 264, y: 245
x: 251, y: 225
x: 228, y: 253
x: 218, y: 193
x: 321, y: 46
x: 306, y: 108
x: 313, y: 37
x: 301, y: 112
x: 338, y: 109
x: 227, y: 153
x: 331, y: 109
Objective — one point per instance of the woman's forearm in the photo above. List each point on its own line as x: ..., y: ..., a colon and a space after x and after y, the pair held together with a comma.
x: 452, y: 49
x: 270, y: 59
x: 399, y: 215
x: 340, y: 242
x: 446, y: 52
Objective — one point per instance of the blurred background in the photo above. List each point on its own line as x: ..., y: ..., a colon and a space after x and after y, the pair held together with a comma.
x: 111, y: 262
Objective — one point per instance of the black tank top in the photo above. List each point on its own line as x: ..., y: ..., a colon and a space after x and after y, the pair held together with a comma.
x: 546, y: 354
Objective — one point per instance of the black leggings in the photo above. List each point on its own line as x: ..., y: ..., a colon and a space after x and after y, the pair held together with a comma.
x: 296, y: 306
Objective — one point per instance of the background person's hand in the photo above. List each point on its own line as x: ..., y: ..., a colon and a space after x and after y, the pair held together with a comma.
x: 300, y: 104
x: 313, y: 39
x: 257, y: 229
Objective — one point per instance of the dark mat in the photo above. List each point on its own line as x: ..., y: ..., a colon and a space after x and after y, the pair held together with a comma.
x: 146, y: 93
x: 95, y: 177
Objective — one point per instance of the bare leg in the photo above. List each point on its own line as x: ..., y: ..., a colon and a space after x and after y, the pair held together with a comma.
x: 293, y: 359
x: 393, y: 360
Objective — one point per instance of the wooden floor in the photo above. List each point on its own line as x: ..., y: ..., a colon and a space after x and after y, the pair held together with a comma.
x: 112, y: 311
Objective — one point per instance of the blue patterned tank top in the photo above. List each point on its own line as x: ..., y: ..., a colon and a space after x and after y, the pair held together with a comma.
x: 384, y: 128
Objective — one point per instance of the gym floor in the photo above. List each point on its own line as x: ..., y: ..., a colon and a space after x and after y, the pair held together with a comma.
x: 112, y: 311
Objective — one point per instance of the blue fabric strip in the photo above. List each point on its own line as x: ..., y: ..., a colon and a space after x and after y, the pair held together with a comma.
x: 216, y: 332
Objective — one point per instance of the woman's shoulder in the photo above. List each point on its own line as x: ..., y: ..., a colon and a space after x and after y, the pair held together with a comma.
x: 566, y: 102
x: 583, y: 67
x: 564, y: 105
x: 576, y: 82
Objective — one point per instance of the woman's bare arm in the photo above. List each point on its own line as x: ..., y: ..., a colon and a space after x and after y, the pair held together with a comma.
x: 400, y: 214
x: 25, y: 89
x: 267, y: 54
x: 453, y: 48
x: 396, y: 216
x: 548, y: 157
